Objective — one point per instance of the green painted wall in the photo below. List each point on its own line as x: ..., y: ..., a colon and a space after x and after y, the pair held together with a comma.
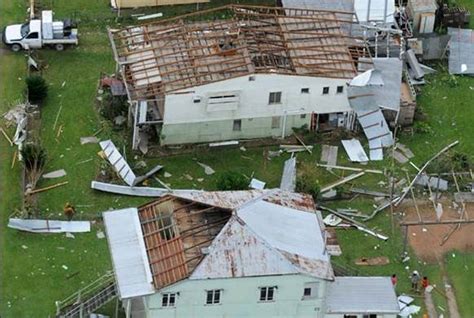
x: 240, y: 298
x: 223, y: 130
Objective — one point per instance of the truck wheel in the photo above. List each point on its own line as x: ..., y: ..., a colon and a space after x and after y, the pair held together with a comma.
x: 16, y: 47
x: 59, y: 47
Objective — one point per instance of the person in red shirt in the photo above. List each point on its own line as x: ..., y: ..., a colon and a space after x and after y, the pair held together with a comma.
x: 424, y: 282
x: 394, y: 279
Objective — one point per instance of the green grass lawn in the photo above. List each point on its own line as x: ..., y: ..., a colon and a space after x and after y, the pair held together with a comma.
x: 460, y: 267
x: 34, y: 277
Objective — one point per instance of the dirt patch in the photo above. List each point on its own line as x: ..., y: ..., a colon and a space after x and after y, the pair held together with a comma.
x: 426, y: 240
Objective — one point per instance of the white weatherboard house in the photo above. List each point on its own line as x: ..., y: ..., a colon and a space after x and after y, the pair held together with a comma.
x: 259, y: 253
x: 258, y: 74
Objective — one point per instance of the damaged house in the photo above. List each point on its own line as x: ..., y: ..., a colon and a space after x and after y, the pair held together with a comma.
x: 257, y: 74
x: 259, y: 253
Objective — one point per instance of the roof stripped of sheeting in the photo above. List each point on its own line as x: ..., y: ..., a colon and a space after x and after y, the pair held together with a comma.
x: 179, y: 53
x: 178, y: 233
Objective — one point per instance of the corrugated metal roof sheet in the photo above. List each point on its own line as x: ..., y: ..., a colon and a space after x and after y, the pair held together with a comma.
x: 461, y: 51
x: 267, y: 239
x: 362, y: 295
x: 129, y: 258
x: 235, y: 199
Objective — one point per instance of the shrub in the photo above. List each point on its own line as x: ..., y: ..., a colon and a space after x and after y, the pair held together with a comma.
x: 37, y: 89
x: 231, y: 180
x: 307, y: 182
x: 113, y: 106
x: 34, y: 156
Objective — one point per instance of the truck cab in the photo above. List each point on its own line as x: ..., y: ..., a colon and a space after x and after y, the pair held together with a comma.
x: 38, y: 33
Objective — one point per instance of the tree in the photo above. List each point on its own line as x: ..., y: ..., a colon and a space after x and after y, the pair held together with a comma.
x: 37, y: 89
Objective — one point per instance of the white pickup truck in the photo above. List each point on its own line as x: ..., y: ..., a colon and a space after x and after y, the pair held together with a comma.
x: 40, y: 33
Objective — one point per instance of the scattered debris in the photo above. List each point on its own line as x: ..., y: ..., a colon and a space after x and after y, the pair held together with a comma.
x: 432, y: 182
x: 350, y: 168
x: 368, y: 192
x: 28, y: 191
x: 342, y: 181
x: 329, y: 155
x: 150, y: 16
x: 407, y: 189
x: 332, y: 220
x: 358, y: 225
x: 136, y: 191
x: 70, y: 235
x: 119, y: 120
x: 167, y: 175
x: 64, y: 267
x: 329, y: 194
x: 6, y: 137
x: 372, y: 261
x: 207, y: 170
x: 224, y: 143
x: 49, y: 226
x: 295, y: 148
x: 121, y: 166
x: 305, y: 147
x: 354, y: 150
x: 242, y: 148
x: 397, y: 155
x: 406, y: 151
x: 100, y: 235
x: 55, y: 174
x: 461, y: 197
x: 288, y: 178
x: 89, y: 140
x: 257, y: 184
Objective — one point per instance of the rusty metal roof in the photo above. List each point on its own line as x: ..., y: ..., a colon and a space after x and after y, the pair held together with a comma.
x: 201, y: 234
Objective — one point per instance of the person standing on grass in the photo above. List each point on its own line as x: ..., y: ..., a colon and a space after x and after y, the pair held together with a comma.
x: 415, y: 278
x: 69, y: 211
x: 425, y: 282
x: 394, y: 280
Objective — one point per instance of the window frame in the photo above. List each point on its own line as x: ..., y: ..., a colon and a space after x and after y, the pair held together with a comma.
x: 313, y: 290
x: 265, y: 292
x: 272, y: 100
x: 237, y: 123
x: 341, y: 87
x: 168, y: 297
x: 305, y: 90
x: 30, y: 38
x: 213, y: 300
x: 326, y: 90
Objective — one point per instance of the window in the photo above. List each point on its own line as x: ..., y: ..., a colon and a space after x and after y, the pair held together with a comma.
x: 274, y: 98
x: 276, y: 122
x: 266, y: 293
x: 340, y: 89
x: 213, y: 297
x: 303, y: 116
x: 196, y: 100
x: 326, y: 90
x: 32, y: 35
x: 237, y: 125
x: 168, y: 300
x: 370, y: 316
x: 350, y: 316
x: 251, y: 78
x: 305, y: 90
x: 310, y: 290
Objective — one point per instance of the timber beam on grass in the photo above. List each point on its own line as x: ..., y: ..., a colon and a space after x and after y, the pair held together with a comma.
x: 342, y: 181
x: 358, y: 225
x: 423, y: 169
x: 350, y: 168
x: 417, y: 223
